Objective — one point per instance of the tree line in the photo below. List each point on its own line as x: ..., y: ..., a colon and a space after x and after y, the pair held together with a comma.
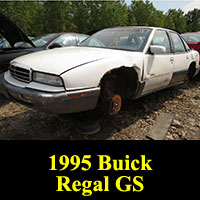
x: 41, y: 17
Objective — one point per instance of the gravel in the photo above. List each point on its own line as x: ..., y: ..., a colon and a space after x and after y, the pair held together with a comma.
x: 133, y: 122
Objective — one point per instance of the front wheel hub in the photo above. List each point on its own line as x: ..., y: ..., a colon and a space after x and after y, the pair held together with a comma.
x: 116, y: 104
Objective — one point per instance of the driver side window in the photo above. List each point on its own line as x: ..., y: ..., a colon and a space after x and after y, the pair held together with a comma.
x: 161, y: 39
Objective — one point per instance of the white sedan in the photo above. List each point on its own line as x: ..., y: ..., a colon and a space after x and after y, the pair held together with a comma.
x: 111, y: 65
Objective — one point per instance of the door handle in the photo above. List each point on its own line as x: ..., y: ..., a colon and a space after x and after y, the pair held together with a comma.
x: 171, y: 59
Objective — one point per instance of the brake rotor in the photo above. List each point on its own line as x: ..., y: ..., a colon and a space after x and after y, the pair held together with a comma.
x: 116, y: 104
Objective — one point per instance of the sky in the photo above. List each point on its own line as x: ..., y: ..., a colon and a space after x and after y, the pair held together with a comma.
x: 165, y: 5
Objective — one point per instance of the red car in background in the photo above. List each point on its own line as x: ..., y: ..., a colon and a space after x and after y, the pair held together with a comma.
x: 193, y: 40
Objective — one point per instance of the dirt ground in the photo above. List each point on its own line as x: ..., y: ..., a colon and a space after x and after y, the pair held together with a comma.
x: 133, y: 122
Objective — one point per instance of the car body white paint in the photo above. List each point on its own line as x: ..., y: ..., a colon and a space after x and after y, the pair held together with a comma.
x: 83, y: 67
x: 76, y: 64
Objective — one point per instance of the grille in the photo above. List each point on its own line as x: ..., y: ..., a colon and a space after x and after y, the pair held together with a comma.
x: 20, y: 74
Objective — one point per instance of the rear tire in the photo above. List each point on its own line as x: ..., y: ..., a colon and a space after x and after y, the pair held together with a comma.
x: 191, y: 72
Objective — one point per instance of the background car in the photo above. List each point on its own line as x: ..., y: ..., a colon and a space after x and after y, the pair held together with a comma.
x: 5, y: 44
x: 18, y: 43
x: 193, y: 40
x: 53, y: 40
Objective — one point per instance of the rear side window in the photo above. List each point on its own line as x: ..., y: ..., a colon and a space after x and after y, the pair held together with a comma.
x: 177, y: 42
x: 186, y: 46
x: 161, y: 39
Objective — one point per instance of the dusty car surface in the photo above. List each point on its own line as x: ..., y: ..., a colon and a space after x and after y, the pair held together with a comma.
x: 18, y: 44
x: 111, y: 65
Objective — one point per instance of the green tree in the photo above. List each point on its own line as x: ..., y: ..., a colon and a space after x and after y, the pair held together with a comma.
x: 112, y: 14
x: 57, y: 16
x: 142, y: 12
x: 193, y: 20
x: 80, y: 16
x: 169, y: 22
x: 177, y: 20
x: 157, y: 19
x: 94, y: 15
x: 27, y: 15
x: 41, y: 17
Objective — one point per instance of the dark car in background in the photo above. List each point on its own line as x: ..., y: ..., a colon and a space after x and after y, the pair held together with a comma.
x: 19, y: 44
x: 5, y: 44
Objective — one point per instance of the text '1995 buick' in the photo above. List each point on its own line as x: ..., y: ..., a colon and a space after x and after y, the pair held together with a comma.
x: 111, y: 65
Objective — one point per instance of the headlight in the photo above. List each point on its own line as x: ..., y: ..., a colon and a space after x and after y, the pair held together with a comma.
x: 47, y: 79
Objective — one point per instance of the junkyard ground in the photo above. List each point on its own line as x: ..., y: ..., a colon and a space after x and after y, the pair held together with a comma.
x: 133, y: 122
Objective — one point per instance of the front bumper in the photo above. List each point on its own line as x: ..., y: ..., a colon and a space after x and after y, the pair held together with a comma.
x: 58, y: 103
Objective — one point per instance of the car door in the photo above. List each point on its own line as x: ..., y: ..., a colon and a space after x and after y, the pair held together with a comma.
x: 181, y: 58
x: 158, y: 68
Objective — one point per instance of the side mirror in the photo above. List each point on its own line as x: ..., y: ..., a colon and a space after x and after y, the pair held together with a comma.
x: 155, y: 49
x: 55, y: 45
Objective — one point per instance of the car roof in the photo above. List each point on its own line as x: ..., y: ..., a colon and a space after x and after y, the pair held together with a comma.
x: 147, y: 27
x: 65, y: 33
x: 191, y: 33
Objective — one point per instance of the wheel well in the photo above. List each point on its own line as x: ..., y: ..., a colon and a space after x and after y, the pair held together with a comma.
x: 123, y: 81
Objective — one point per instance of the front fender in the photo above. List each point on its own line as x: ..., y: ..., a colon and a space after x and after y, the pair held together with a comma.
x: 90, y: 75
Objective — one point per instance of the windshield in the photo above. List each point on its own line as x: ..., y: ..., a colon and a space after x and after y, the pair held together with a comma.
x: 132, y: 39
x: 192, y: 37
x: 39, y: 41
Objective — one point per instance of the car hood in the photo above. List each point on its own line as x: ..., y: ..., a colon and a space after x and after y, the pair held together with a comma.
x: 57, y: 61
x: 11, y: 32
